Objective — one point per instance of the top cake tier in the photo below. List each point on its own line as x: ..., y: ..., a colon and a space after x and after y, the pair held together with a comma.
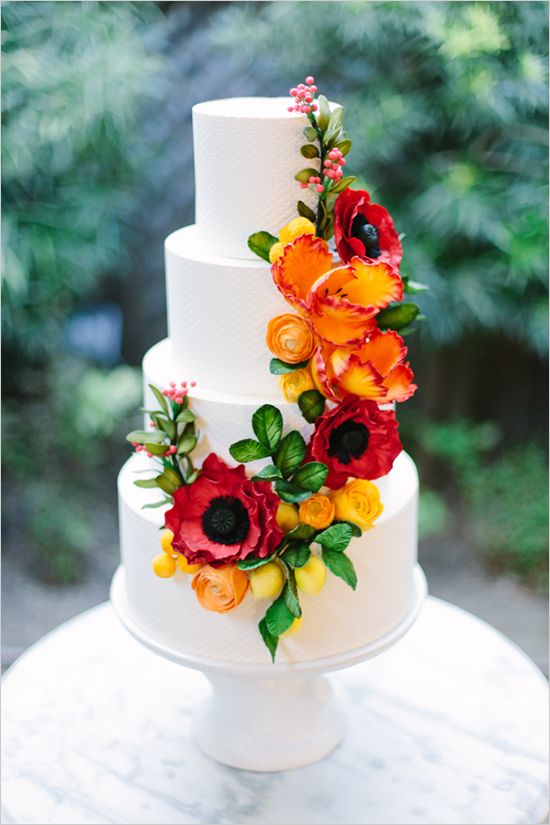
x: 247, y: 151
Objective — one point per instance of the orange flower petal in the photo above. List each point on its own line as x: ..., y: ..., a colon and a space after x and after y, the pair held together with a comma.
x: 360, y: 379
x: 374, y: 285
x: 339, y: 322
x: 385, y: 350
x: 398, y: 383
x: 303, y: 262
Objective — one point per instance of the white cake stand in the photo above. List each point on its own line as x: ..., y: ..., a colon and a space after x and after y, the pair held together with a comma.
x: 269, y: 717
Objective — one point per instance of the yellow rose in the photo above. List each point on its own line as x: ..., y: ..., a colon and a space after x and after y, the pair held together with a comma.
x: 317, y: 511
x: 293, y: 384
x: 287, y: 517
x: 296, y: 227
x: 289, y: 337
x: 358, y: 501
x: 276, y: 251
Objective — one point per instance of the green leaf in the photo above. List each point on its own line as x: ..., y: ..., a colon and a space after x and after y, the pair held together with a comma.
x: 344, y: 145
x: 310, y: 133
x: 311, y: 404
x: 336, y: 120
x: 397, y: 316
x: 336, y: 537
x: 188, y: 441
x: 160, y: 398
x: 192, y: 477
x: 290, y: 453
x: 156, y: 448
x: 186, y: 417
x: 309, y: 151
x: 270, y: 640
x: 141, y: 436
x: 252, y: 564
x: 277, y: 367
x: 414, y: 287
x: 323, y: 115
x: 342, y: 566
x: 279, y: 617
x: 342, y: 184
x: 269, y: 473
x: 289, y: 493
x: 167, y: 425
x: 166, y: 483
x: 267, y: 423
x: 260, y: 243
x: 305, y: 212
x: 297, y: 554
x: 311, y: 476
x: 155, y: 504
x: 146, y: 483
x: 355, y: 530
x: 304, y: 175
x: 301, y: 531
x: 248, y: 450
x: 290, y: 595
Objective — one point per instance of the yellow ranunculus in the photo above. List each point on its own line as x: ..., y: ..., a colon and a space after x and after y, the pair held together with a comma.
x: 358, y: 501
x: 296, y: 227
x: 317, y: 511
x: 287, y: 517
x: 293, y: 384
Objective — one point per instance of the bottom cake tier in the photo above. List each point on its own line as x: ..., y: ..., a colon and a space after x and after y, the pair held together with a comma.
x: 336, y: 622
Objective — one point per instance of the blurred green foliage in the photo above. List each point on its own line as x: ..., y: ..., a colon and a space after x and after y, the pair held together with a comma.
x: 447, y: 105
x: 74, y: 78
x: 495, y: 495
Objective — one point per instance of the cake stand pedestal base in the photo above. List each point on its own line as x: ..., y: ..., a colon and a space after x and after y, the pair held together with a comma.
x: 269, y: 724
x: 268, y: 717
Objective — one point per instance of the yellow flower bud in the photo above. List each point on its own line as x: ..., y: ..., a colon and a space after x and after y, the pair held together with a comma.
x: 312, y: 576
x: 166, y: 542
x: 276, y: 251
x: 287, y: 517
x: 184, y: 565
x: 296, y: 227
x: 358, y: 501
x: 164, y: 565
x: 293, y: 384
x: 266, y: 582
x: 317, y: 511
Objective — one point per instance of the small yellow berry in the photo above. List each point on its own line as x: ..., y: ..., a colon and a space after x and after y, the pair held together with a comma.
x: 164, y: 565
x: 166, y: 542
x: 266, y: 582
x: 296, y: 227
x: 287, y: 517
x: 312, y: 576
x: 276, y: 251
x: 184, y: 565
x: 292, y: 629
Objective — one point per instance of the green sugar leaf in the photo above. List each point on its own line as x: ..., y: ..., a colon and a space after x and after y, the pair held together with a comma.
x: 269, y: 473
x: 277, y: 367
x: 336, y: 537
x: 309, y: 151
x: 311, y: 476
x: 311, y: 404
x: 260, y: 243
x: 267, y: 423
x: 289, y: 493
x: 248, y: 450
x: 341, y: 566
x: 305, y: 212
x: 270, y: 640
x: 290, y: 453
x: 397, y: 316
x: 279, y: 617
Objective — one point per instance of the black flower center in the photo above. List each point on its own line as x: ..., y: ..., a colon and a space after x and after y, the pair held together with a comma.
x: 367, y: 234
x: 226, y: 521
x: 348, y: 441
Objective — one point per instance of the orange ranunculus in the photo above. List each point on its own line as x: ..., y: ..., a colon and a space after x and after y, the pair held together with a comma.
x: 345, y: 300
x: 317, y: 511
x: 303, y: 262
x: 290, y: 338
x: 375, y: 370
x: 220, y: 588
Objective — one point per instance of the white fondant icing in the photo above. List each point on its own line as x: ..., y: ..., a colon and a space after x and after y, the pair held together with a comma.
x: 247, y: 151
x: 218, y: 312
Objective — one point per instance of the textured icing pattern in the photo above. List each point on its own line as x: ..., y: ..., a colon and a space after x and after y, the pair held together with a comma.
x: 222, y: 418
x: 337, y: 621
x: 218, y: 312
x: 247, y: 151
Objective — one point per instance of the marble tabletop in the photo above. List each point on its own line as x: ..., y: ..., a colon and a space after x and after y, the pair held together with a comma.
x: 449, y: 726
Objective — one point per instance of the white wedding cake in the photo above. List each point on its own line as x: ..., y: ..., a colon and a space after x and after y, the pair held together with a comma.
x: 213, y: 371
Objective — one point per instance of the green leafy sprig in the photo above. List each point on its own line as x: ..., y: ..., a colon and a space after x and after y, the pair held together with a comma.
x: 295, y: 479
x: 170, y: 444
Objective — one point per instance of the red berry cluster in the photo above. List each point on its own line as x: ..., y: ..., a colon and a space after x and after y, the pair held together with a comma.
x: 303, y: 95
x: 177, y: 394
x: 333, y: 164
